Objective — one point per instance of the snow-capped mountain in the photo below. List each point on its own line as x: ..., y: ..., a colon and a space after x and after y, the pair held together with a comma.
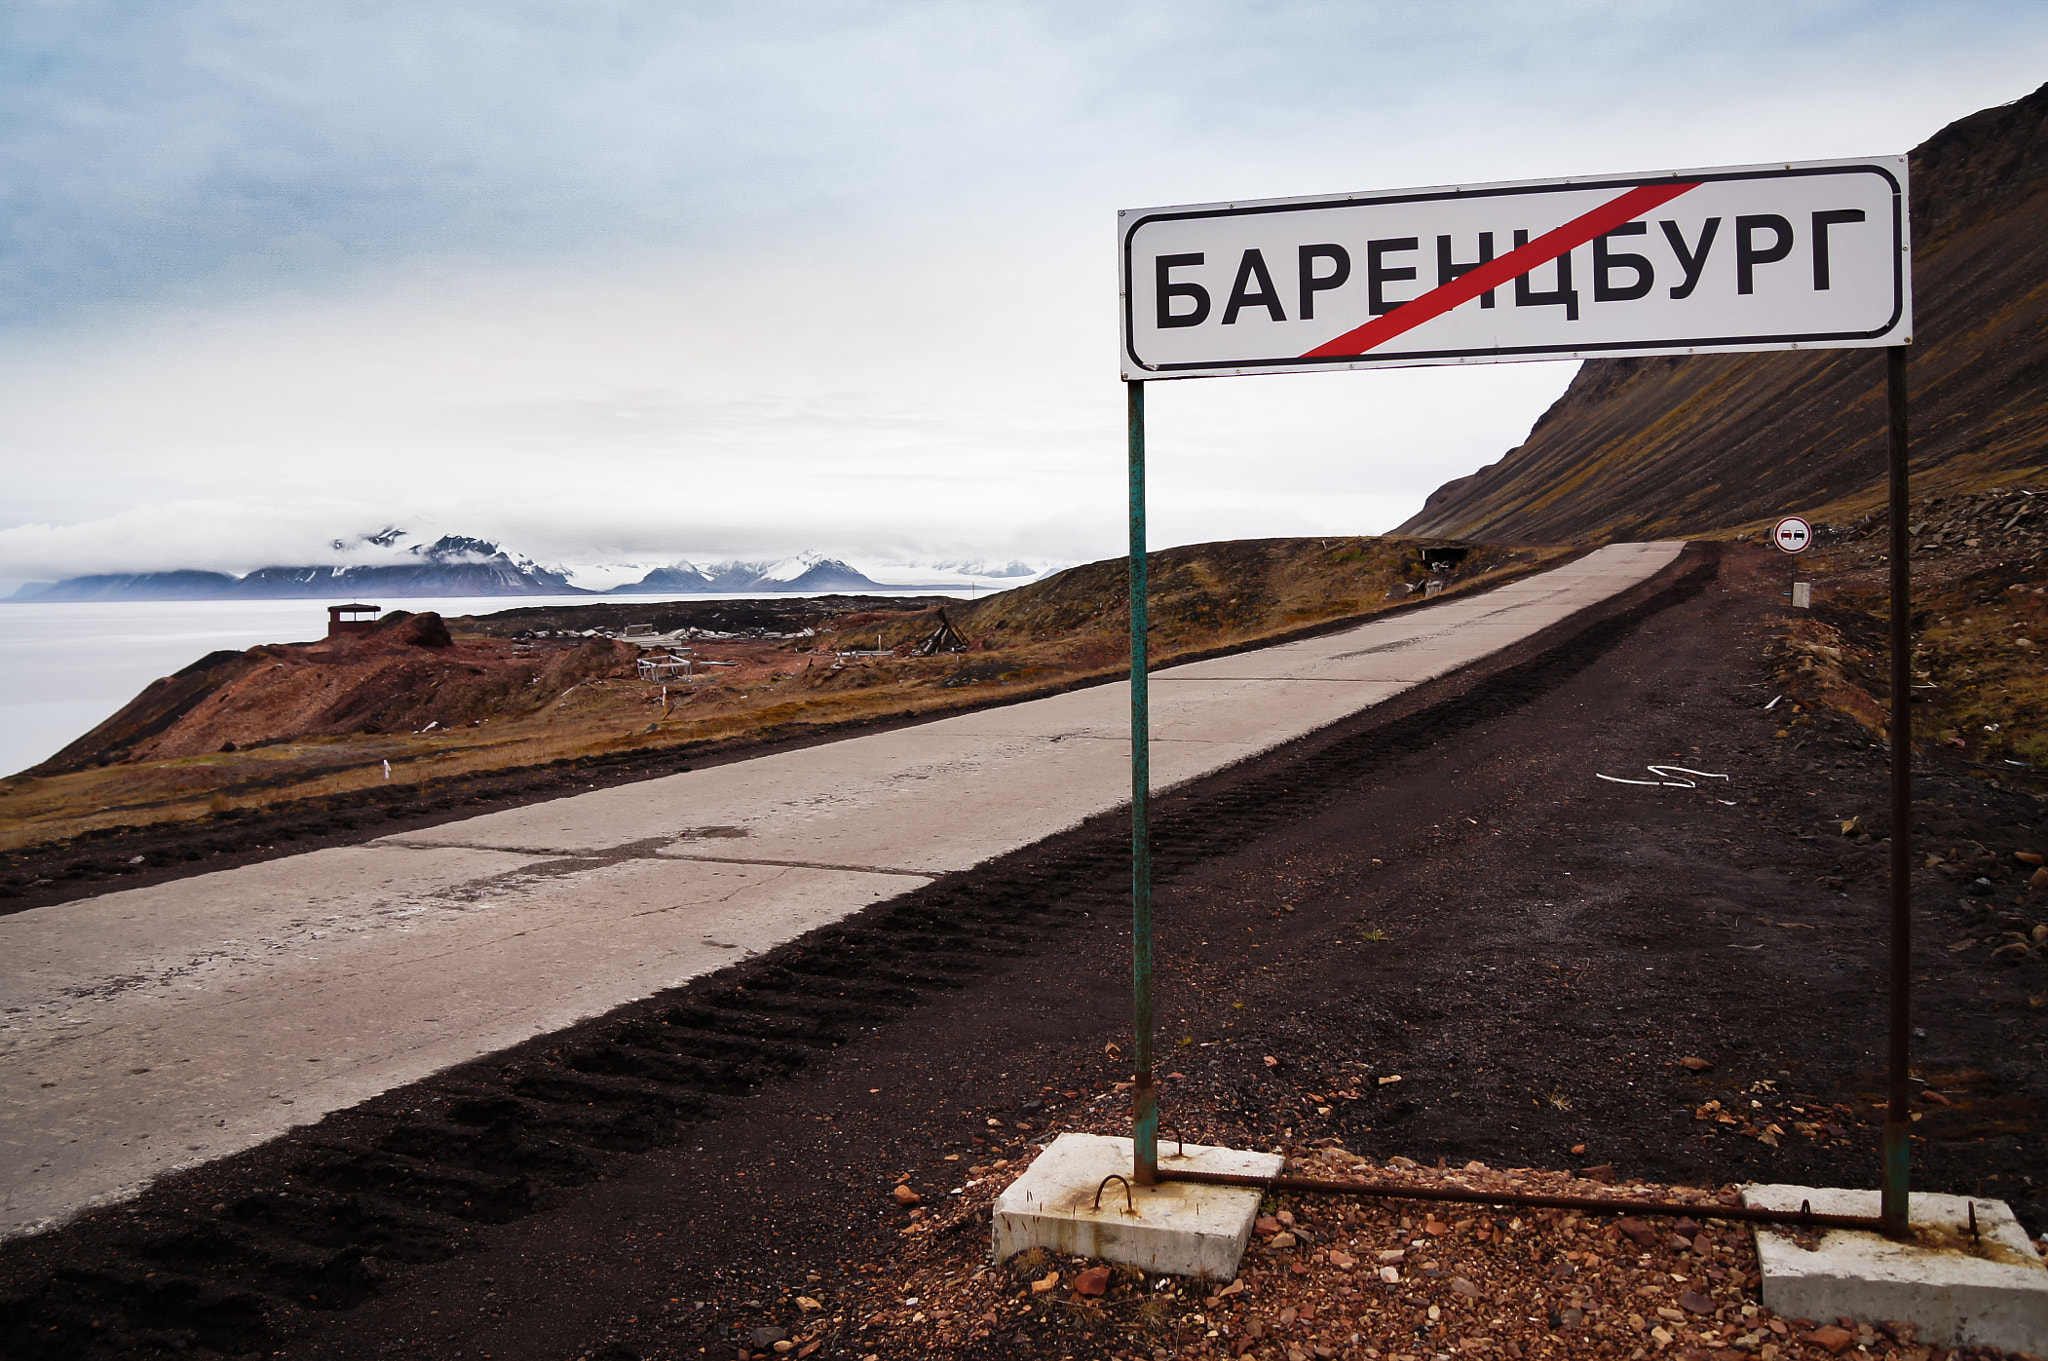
x: 610, y: 576
x: 683, y: 578
x: 372, y: 564
x: 988, y: 568
x: 812, y: 572
x: 802, y: 574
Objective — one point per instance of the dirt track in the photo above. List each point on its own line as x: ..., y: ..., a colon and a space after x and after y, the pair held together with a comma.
x: 1441, y: 889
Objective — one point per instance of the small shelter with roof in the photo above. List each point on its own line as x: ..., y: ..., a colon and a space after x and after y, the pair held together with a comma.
x: 343, y: 620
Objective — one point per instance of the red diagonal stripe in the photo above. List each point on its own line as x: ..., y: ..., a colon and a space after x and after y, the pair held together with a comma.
x: 1500, y: 270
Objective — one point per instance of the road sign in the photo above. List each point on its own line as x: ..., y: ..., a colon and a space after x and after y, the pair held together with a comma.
x: 1792, y: 534
x: 1814, y: 255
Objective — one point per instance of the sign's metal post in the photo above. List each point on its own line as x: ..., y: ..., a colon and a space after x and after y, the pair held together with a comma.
x: 1144, y: 1096
x: 1898, y: 1120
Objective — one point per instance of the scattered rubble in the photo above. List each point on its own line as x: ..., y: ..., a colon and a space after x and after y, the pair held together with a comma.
x: 1980, y: 614
x: 2009, y: 521
x: 1377, y: 1279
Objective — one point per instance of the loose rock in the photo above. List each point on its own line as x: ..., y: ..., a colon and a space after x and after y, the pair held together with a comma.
x: 1637, y: 1232
x: 1836, y: 1340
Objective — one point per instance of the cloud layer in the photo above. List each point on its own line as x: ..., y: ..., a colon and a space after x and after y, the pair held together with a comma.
x: 624, y: 280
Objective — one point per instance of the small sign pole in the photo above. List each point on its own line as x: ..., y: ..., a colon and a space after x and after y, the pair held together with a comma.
x: 1898, y: 1116
x: 1793, y: 536
x: 1144, y: 1096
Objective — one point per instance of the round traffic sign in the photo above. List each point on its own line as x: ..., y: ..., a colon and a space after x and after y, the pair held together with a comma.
x: 1792, y: 534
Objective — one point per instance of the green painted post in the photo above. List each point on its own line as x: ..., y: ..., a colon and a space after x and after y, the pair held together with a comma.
x: 1144, y: 1096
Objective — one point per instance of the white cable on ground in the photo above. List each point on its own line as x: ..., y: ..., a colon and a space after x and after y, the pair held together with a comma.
x: 1661, y: 772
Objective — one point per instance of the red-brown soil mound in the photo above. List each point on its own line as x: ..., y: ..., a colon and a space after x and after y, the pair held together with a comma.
x: 406, y: 675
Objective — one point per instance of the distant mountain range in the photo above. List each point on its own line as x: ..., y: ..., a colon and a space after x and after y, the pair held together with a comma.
x: 451, y: 565
x: 807, y: 573
x: 455, y: 566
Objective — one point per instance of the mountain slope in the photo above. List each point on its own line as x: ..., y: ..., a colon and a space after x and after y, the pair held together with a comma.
x: 1671, y: 446
x: 181, y: 585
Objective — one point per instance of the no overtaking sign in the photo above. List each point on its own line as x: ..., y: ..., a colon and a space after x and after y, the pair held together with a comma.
x: 1792, y: 534
x: 1810, y: 255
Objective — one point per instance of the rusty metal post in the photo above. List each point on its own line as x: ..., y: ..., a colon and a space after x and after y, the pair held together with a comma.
x: 1144, y: 1095
x: 1464, y: 1195
x: 1898, y: 1120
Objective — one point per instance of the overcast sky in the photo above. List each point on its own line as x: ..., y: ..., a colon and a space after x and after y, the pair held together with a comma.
x: 610, y: 280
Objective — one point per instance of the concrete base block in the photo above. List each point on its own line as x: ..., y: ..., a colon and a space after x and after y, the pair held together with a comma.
x: 1991, y: 1291
x: 1176, y: 1228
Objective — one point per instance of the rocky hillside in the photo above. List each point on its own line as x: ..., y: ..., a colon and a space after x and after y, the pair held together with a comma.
x: 1980, y: 612
x: 1676, y: 446
x: 407, y: 676
x: 1203, y: 596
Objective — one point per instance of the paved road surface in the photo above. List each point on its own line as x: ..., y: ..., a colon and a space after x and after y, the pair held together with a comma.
x: 158, y: 1027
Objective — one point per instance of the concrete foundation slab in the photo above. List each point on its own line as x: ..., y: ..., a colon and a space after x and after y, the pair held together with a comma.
x: 1174, y: 1227
x: 1988, y: 1291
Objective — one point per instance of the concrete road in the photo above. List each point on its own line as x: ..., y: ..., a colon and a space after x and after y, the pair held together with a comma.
x: 150, y: 1029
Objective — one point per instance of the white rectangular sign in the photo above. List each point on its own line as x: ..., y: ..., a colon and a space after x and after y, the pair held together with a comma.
x: 1783, y: 257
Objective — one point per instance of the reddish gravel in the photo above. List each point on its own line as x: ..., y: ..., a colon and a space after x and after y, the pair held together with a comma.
x: 1441, y: 891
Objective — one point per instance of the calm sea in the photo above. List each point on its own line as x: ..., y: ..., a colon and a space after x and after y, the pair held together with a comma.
x: 66, y: 667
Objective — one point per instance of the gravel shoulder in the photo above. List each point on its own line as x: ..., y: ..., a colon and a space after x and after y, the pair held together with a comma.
x: 1441, y: 891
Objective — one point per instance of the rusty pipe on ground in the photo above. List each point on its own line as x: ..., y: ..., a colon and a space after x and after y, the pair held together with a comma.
x: 1801, y: 1218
